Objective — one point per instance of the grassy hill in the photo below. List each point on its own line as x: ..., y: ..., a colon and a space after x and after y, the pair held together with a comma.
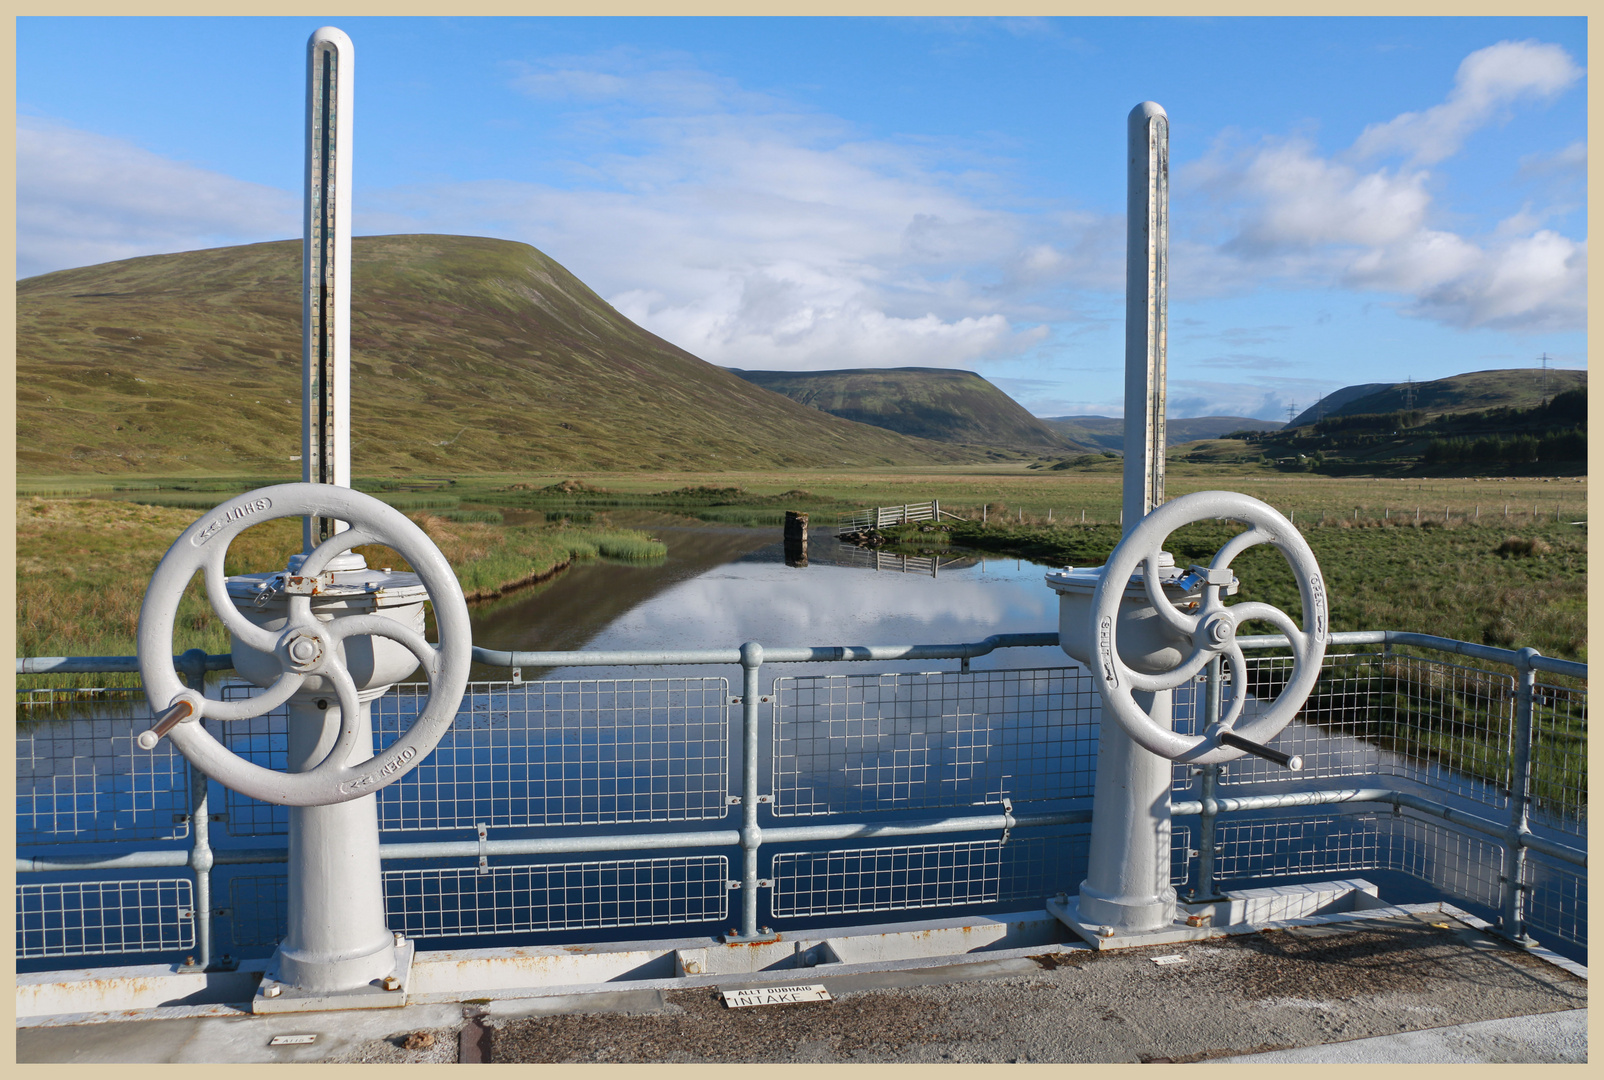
x: 1108, y: 432
x: 468, y: 355
x: 1333, y: 403
x: 1483, y: 423
x: 929, y: 403
x: 1476, y: 391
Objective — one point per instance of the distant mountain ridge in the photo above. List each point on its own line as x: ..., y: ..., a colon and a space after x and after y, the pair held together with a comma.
x: 1108, y: 432
x: 468, y: 355
x: 941, y: 404
x: 1474, y: 391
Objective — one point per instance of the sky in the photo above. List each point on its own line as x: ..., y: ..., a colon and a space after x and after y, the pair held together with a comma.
x: 1353, y: 200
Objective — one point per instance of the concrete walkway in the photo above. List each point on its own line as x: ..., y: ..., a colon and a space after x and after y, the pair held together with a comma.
x: 1403, y: 988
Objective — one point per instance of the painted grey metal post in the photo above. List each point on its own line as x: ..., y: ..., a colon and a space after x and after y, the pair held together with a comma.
x: 1513, y: 919
x: 192, y: 666
x: 1147, y: 213
x: 751, y: 834
x: 335, y: 934
x: 1127, y: 884
x: 1208, y: 784
x: 326, y: 271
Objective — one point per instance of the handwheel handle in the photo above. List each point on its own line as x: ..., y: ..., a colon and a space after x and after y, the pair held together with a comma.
x: 305, y: 648
x: 1212, y: 631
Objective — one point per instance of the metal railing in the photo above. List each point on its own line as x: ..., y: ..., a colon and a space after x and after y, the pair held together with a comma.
x: 893, y: 772
x: 884, y: 517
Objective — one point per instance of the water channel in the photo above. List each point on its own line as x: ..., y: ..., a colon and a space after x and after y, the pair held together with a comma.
x: 720, y: 586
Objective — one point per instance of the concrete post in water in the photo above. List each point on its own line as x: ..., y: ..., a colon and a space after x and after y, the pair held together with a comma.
x: 796, y: 539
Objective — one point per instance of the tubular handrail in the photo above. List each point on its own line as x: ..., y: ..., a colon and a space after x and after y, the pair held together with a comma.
x: 65, y: 665
x: 201, y: 857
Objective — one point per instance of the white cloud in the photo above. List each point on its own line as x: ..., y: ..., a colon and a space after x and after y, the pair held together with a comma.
x: 84, y: 198
x: 1571, y: 161
x: 1281, y: 212
x: 1488, y: 82
x: 757, y: 237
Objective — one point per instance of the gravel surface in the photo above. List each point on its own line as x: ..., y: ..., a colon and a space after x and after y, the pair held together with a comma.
x: 1248, y: 994
x: 1272, y: 991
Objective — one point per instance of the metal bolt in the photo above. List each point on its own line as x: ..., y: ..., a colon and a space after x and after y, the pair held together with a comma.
x: 272, y: 991
x: 400, y: 939
x: 392, y: 983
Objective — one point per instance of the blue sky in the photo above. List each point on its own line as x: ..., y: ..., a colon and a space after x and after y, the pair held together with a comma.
x: 1353, y: 200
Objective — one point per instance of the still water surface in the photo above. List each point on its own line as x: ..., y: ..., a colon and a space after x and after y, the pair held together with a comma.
x: 721, y: 586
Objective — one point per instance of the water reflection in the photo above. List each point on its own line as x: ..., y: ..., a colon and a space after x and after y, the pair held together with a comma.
x: 719, y: 587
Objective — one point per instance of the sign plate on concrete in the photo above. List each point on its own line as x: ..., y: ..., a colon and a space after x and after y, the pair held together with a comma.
x: 292, y: 1040
x: 748, y: 996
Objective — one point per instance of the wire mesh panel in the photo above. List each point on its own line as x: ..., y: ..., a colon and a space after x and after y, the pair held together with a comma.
x: 455, y: 902
x: 1461, y: 865
x: 1284, y: 846
x: 1559, y: 757
x: 1336, y: 730
x: 864, y: 743
x: 261, y: 740
x: 918, y: 876
x: 97, y: 918
x: 81, y: 778
x: 1556, y: 899
x: 558, y: 752
x: 258, y: 908
x: 1259, y: 851
x: 566, y: 752
x: 1378, y: 714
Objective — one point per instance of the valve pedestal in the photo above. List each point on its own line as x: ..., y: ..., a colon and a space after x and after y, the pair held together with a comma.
x: 337, y: 951
x: 1127, y: 888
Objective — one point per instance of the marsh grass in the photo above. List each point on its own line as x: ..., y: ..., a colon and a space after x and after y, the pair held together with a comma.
x: 83, y: 564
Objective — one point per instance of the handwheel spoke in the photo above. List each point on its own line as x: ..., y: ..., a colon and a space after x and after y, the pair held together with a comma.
x: 1239, y: 685
x: 223, y: 604
x: 339, y: 756
x: 268, y: 700
x: 1176, y: 676
x: 1237, y: 545
x: 383, y: 626
x: 1257, y: 611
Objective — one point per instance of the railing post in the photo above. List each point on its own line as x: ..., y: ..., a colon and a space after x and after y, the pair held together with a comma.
x: 751, y: 834
x: 1513, y: 920
x: 192, y: 666
x: 1208, y: 780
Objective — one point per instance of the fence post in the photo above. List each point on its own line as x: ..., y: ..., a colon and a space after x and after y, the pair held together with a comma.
x: 192, y: 665
x: 751, y: 834
x: 1208, y: 780
x: 1513, y: 920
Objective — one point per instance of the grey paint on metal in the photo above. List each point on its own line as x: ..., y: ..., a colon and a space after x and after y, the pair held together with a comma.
x: 1127, y: 882
x: 1511, y: 922
x: 326, y: 271
x: 336, y: 937
x: 47, y: 665
x: 1209, y: 630
x: 1513, y: 835
x: 309, y: 647
x: 1147, y: 210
